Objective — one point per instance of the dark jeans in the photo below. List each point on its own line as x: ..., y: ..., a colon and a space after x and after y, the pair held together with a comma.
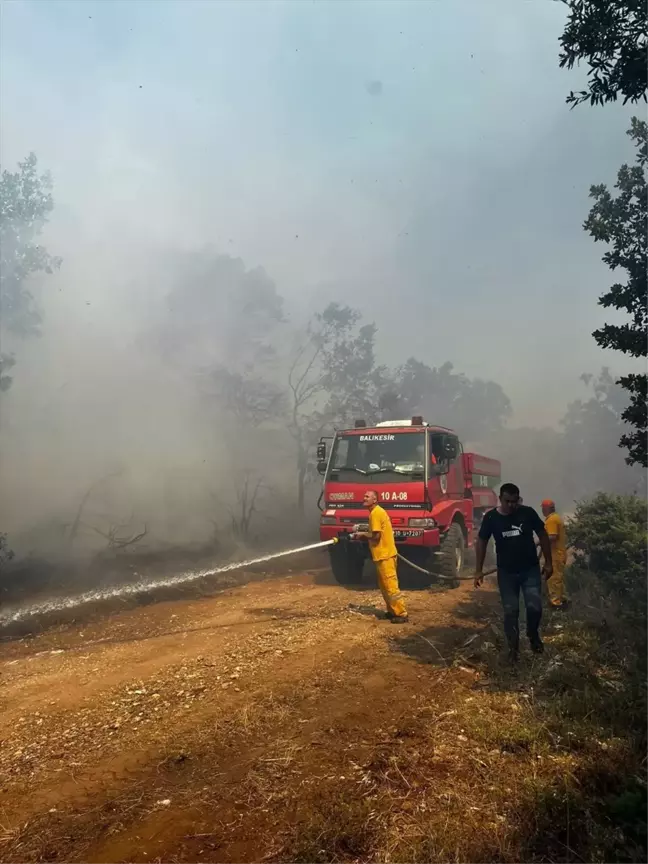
x: 530, y: 584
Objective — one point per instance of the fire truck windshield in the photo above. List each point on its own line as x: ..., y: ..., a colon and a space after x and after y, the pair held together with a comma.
x: 398, y: 456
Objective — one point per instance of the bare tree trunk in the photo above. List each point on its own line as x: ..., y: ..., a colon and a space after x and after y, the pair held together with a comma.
x: 247, y: 507
x: 74, y: 527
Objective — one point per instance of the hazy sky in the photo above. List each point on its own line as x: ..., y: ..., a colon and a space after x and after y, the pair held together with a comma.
x: 417, y: 160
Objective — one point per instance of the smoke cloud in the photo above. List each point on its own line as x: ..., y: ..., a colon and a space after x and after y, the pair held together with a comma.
x: 221, y: 172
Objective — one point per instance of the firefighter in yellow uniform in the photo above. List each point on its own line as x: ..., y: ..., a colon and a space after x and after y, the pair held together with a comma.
x: 383, y: 552
x: 555, y: 528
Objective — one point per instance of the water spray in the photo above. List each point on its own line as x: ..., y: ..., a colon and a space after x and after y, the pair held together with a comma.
x: 12, y: 616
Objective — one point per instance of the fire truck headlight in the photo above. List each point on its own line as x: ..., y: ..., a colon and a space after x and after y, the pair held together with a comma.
x: 327, y: 520
x: 422, y: 523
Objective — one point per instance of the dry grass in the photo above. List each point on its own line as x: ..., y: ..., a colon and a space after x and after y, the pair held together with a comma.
x: 545, y: 765
x: 340, y: 827
x: 442, y: 764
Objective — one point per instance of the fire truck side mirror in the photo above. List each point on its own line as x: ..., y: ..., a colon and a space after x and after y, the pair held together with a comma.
x: 321, y: 466
x: 321, y: 452
x: 450, y: 450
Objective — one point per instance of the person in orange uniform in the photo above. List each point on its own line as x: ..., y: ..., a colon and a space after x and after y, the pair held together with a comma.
x: 383, y: 551
x: 555, y: 528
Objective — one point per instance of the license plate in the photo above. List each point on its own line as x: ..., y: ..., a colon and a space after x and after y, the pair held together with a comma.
x: 403, y: 535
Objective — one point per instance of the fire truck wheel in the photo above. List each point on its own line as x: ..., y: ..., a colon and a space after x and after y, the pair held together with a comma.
x: 347, y: 564
x: 450, y: 560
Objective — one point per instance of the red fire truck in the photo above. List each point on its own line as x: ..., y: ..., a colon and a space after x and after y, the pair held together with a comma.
x: 435, y: 493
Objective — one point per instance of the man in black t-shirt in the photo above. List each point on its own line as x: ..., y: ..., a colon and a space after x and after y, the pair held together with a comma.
x: 513, y: 526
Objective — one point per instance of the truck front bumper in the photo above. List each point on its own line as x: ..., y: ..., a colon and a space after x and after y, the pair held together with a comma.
x: 403, y: 536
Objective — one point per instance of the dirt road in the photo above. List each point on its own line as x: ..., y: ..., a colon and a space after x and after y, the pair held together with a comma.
x: 241, y: 727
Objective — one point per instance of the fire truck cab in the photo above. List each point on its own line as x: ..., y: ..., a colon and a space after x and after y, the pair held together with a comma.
x: 434, y: 492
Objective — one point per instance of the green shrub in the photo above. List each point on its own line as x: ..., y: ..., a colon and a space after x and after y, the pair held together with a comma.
x: 608, y: 536
x: 628, y: 809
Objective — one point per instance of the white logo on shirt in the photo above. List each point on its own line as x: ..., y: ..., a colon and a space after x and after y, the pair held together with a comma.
x: 516, y: 531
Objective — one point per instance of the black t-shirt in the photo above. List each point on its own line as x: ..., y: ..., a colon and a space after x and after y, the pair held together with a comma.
x: 513, y: 535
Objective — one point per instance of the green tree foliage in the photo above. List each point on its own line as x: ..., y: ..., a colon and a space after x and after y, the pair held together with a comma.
x: 6, y: 363
x: 579, y: 458
x: 332, y: 379
x: 249, y: 397
x: 621, y: 221
x: 473, y: 407
x: 222, y: 323
x: 350, y: 374
x: 25, y: 205
x: 608, y: 534
x: 591, y: 429
x: 610, y: 36
x: 218, y: 309
x: 220, y: 329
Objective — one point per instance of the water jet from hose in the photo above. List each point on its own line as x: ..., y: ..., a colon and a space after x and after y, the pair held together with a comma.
x: 13, y: 616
